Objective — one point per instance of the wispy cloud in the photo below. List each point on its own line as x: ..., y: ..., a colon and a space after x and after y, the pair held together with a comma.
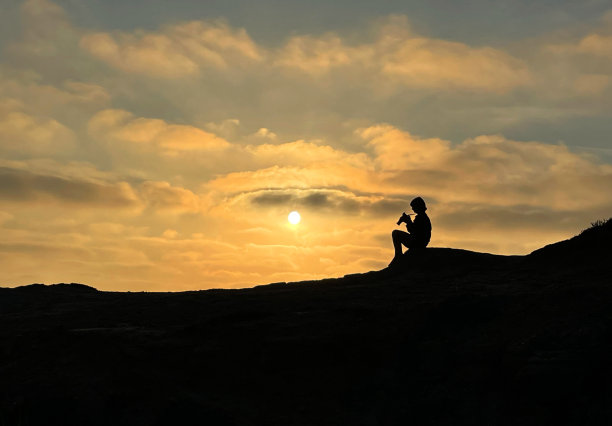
x: 395, y: 53
x: 22, y: 133
x: 122, y: 126
x: 174, y: 51
x: 408, y: 59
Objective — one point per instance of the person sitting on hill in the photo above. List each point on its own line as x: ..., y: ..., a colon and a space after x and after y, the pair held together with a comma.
x: 419, y: 231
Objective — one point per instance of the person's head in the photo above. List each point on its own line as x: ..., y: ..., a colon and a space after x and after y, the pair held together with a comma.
x: 418, y: 205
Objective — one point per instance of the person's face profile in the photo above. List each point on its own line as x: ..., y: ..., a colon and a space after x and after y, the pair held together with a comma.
x: 417, y: 209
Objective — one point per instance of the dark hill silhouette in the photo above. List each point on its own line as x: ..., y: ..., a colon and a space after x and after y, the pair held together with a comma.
x: 591, y: 245
x: 448, y: 337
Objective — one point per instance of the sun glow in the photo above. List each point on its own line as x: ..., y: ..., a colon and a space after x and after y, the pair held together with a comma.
x: 294, y: 218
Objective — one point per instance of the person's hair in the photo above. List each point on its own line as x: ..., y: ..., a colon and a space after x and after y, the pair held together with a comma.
x: 418, y: 204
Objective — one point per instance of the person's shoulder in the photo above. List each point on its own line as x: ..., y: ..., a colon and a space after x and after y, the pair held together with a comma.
x: 423, y: 216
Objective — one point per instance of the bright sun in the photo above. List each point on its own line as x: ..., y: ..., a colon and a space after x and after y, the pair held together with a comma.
x: 294, y: 218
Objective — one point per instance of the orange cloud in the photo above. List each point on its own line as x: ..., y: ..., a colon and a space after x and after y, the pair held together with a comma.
x: 316, y: 55
x: 165, y: 197
x: 30, y: 94
x: 395, y: 55
x: 421, y: 62
x: 408, y: 59
x: 596, y: 44
x: 25, y: 134
x: 493, y: 170
x: 175, y: 51
x: 302, y: 153
x: 312, y: 176
x: 399, y: 150
x: 488, y: 169
x: 5, y: 217
x: 121, y: 125
x: 582, y: 64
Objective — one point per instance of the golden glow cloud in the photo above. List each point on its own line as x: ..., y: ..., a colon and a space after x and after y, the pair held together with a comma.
x: 121, y: 126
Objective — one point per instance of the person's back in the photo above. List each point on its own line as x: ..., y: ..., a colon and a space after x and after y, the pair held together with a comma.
x: 420, y: 229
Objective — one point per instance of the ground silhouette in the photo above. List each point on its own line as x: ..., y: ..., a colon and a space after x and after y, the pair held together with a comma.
x: 448, y: 337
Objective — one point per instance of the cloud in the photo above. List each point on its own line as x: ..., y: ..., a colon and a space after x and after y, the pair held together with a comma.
x: 326, y: 201
x: 79, y: 186
x: 272, y: 198
x: 34, y: 96
x: 499, y: 171
x: 487, y: 169
x: 5, y: 217
x: 399, y: 150
x: 263, y: 133
x: 395, y: 55
x: 310, y: 176
x: 108, y: 229
x: 317, y: 55
x: 170, y: 233
x: 595, y: 44
x: 122, y: 126
x: 175, y: 51
x: 69, y: 170
x: 466, y: 217
x: 227, y: 128
x: 592, y: 84
x: 578, y: 65
x: 407, y: 59
x: 421, y: 62
x: 303, y: 153
x: 164, y: 197
x: 46, y: 29
x: 22, y: 133
x: 25, y: 187
x: 197, y: 155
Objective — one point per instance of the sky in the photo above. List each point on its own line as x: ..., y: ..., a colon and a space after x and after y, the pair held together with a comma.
x: 160, y: 145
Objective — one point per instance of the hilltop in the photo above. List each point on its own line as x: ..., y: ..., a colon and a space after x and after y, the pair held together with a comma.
x: 449, y: 337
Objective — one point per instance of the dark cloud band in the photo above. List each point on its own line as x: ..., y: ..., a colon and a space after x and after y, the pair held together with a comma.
x: 24, y: 186
x: 330, y: 201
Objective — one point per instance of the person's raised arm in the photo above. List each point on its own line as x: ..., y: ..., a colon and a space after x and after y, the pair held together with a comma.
x: 407, y: 220
x: 409, y: 224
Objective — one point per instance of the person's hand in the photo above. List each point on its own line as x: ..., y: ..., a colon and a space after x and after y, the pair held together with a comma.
x: 403, y: 218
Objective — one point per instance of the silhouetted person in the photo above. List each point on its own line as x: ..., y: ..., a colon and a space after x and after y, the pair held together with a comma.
x: 419, y: 231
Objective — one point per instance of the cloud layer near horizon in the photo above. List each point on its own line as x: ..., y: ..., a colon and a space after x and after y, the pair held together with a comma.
x: 169, y: 159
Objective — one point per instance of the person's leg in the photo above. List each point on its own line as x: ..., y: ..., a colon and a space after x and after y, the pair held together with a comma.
x: 399, y: 238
